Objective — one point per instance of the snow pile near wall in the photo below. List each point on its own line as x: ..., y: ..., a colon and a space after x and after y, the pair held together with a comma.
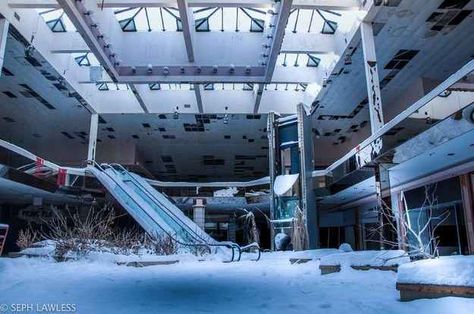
x: 366, y: 258
x: 43, y: 248
x: 446, y: 270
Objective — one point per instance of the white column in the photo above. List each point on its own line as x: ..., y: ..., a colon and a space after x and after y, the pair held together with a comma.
x: 372, y: 76
x: 93, y: 137
x: 366, y: 154
x: 3, y: 40
x: 199, y: 214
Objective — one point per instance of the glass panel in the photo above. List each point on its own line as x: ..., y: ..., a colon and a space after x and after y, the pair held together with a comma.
x: 128, y: 25
x: 56, y: 26
x: 329, y: 27
x: 202, y: 25
x: 313, y: 61
x: 256, y: 25
x: 286, y: 206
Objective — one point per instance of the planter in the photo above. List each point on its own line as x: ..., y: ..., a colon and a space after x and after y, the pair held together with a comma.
x: 411, y: 291
x: 150, y: 263
x: 329, y: 269
x: 300, y: 260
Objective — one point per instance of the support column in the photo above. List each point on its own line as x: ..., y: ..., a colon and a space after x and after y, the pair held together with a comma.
x: 358, y: 231
x: 308, y: 198
x: 367, y: 154
x: 231, y: 230
x: 382, y: 178
x: 372, y: 77
x: 271, y: 166
x: 467, y: 192
x: 93, y: 137
x: 385, y: 205
x: 3, y: 40
x: 398, y: 208
x: 199, y: 213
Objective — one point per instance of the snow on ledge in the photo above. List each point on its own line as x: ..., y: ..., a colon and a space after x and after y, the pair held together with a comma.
x: 366, y: 258
x: 446, y: 270
x: 283, y: 183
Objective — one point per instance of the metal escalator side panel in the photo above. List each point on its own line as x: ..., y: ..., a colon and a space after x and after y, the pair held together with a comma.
x: 142, y: 213
x: 150, y: 208
x: 170, y: 217
x: 176, y: 211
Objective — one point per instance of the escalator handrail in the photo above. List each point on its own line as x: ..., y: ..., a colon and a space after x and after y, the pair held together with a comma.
x: 142, y: 188
x: 174, y: 238
x: 140, y: 185
x: 150, y: 195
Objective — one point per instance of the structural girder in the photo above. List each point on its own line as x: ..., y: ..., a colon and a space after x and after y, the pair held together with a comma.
x: 338, y: 5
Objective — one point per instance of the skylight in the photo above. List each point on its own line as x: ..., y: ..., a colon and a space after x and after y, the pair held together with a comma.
x: 104, y: 86
x: 236, y: 19
x: 313, y: 21
x: 85, y: 59
x: 297, y: 87
x: 206, y: 19
x: 57, y: 20
x: 148, y: 19
x: 298, y: 59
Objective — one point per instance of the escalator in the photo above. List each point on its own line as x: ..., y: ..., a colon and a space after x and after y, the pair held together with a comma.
x: 158, y: 216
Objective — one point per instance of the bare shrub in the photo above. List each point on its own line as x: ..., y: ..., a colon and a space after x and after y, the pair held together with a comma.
x: 127, y: 241
x: 81, y: 235
x: 251, y: 232
x: 26, y: 238
x: 299, y: 236
x: 161, y: 244
x: 417, y: 228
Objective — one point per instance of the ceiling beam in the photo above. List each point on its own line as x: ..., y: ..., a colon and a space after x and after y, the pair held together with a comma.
x: 340, y: 5
x: 4, y: 25
x: 277, y: 37
x: 197, y: 92
x: 187, y: 21
x: 145, y: 74
x: 139, y: 98
x: 91, y: 34
x: 258, y: 98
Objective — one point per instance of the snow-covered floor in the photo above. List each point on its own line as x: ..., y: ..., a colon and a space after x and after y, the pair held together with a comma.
x: 268, y: 286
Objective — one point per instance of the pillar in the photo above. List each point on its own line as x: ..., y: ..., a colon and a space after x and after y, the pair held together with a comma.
x: 467, y: 192
x: 3, y: 40
x: 387, y: 205
x: 382, y: 178
x: 372, y: 77
x: 93, y: 138
x: 199, y: 213
x: 231, y: 230
x: 308, y: 197
x: 271, y: 167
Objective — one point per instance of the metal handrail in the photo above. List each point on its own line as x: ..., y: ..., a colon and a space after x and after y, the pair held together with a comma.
x: 175, y: 239
x: 240, y: 249
x: 150, y: 195
x: 250, y: 246
x: 143, y: 189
